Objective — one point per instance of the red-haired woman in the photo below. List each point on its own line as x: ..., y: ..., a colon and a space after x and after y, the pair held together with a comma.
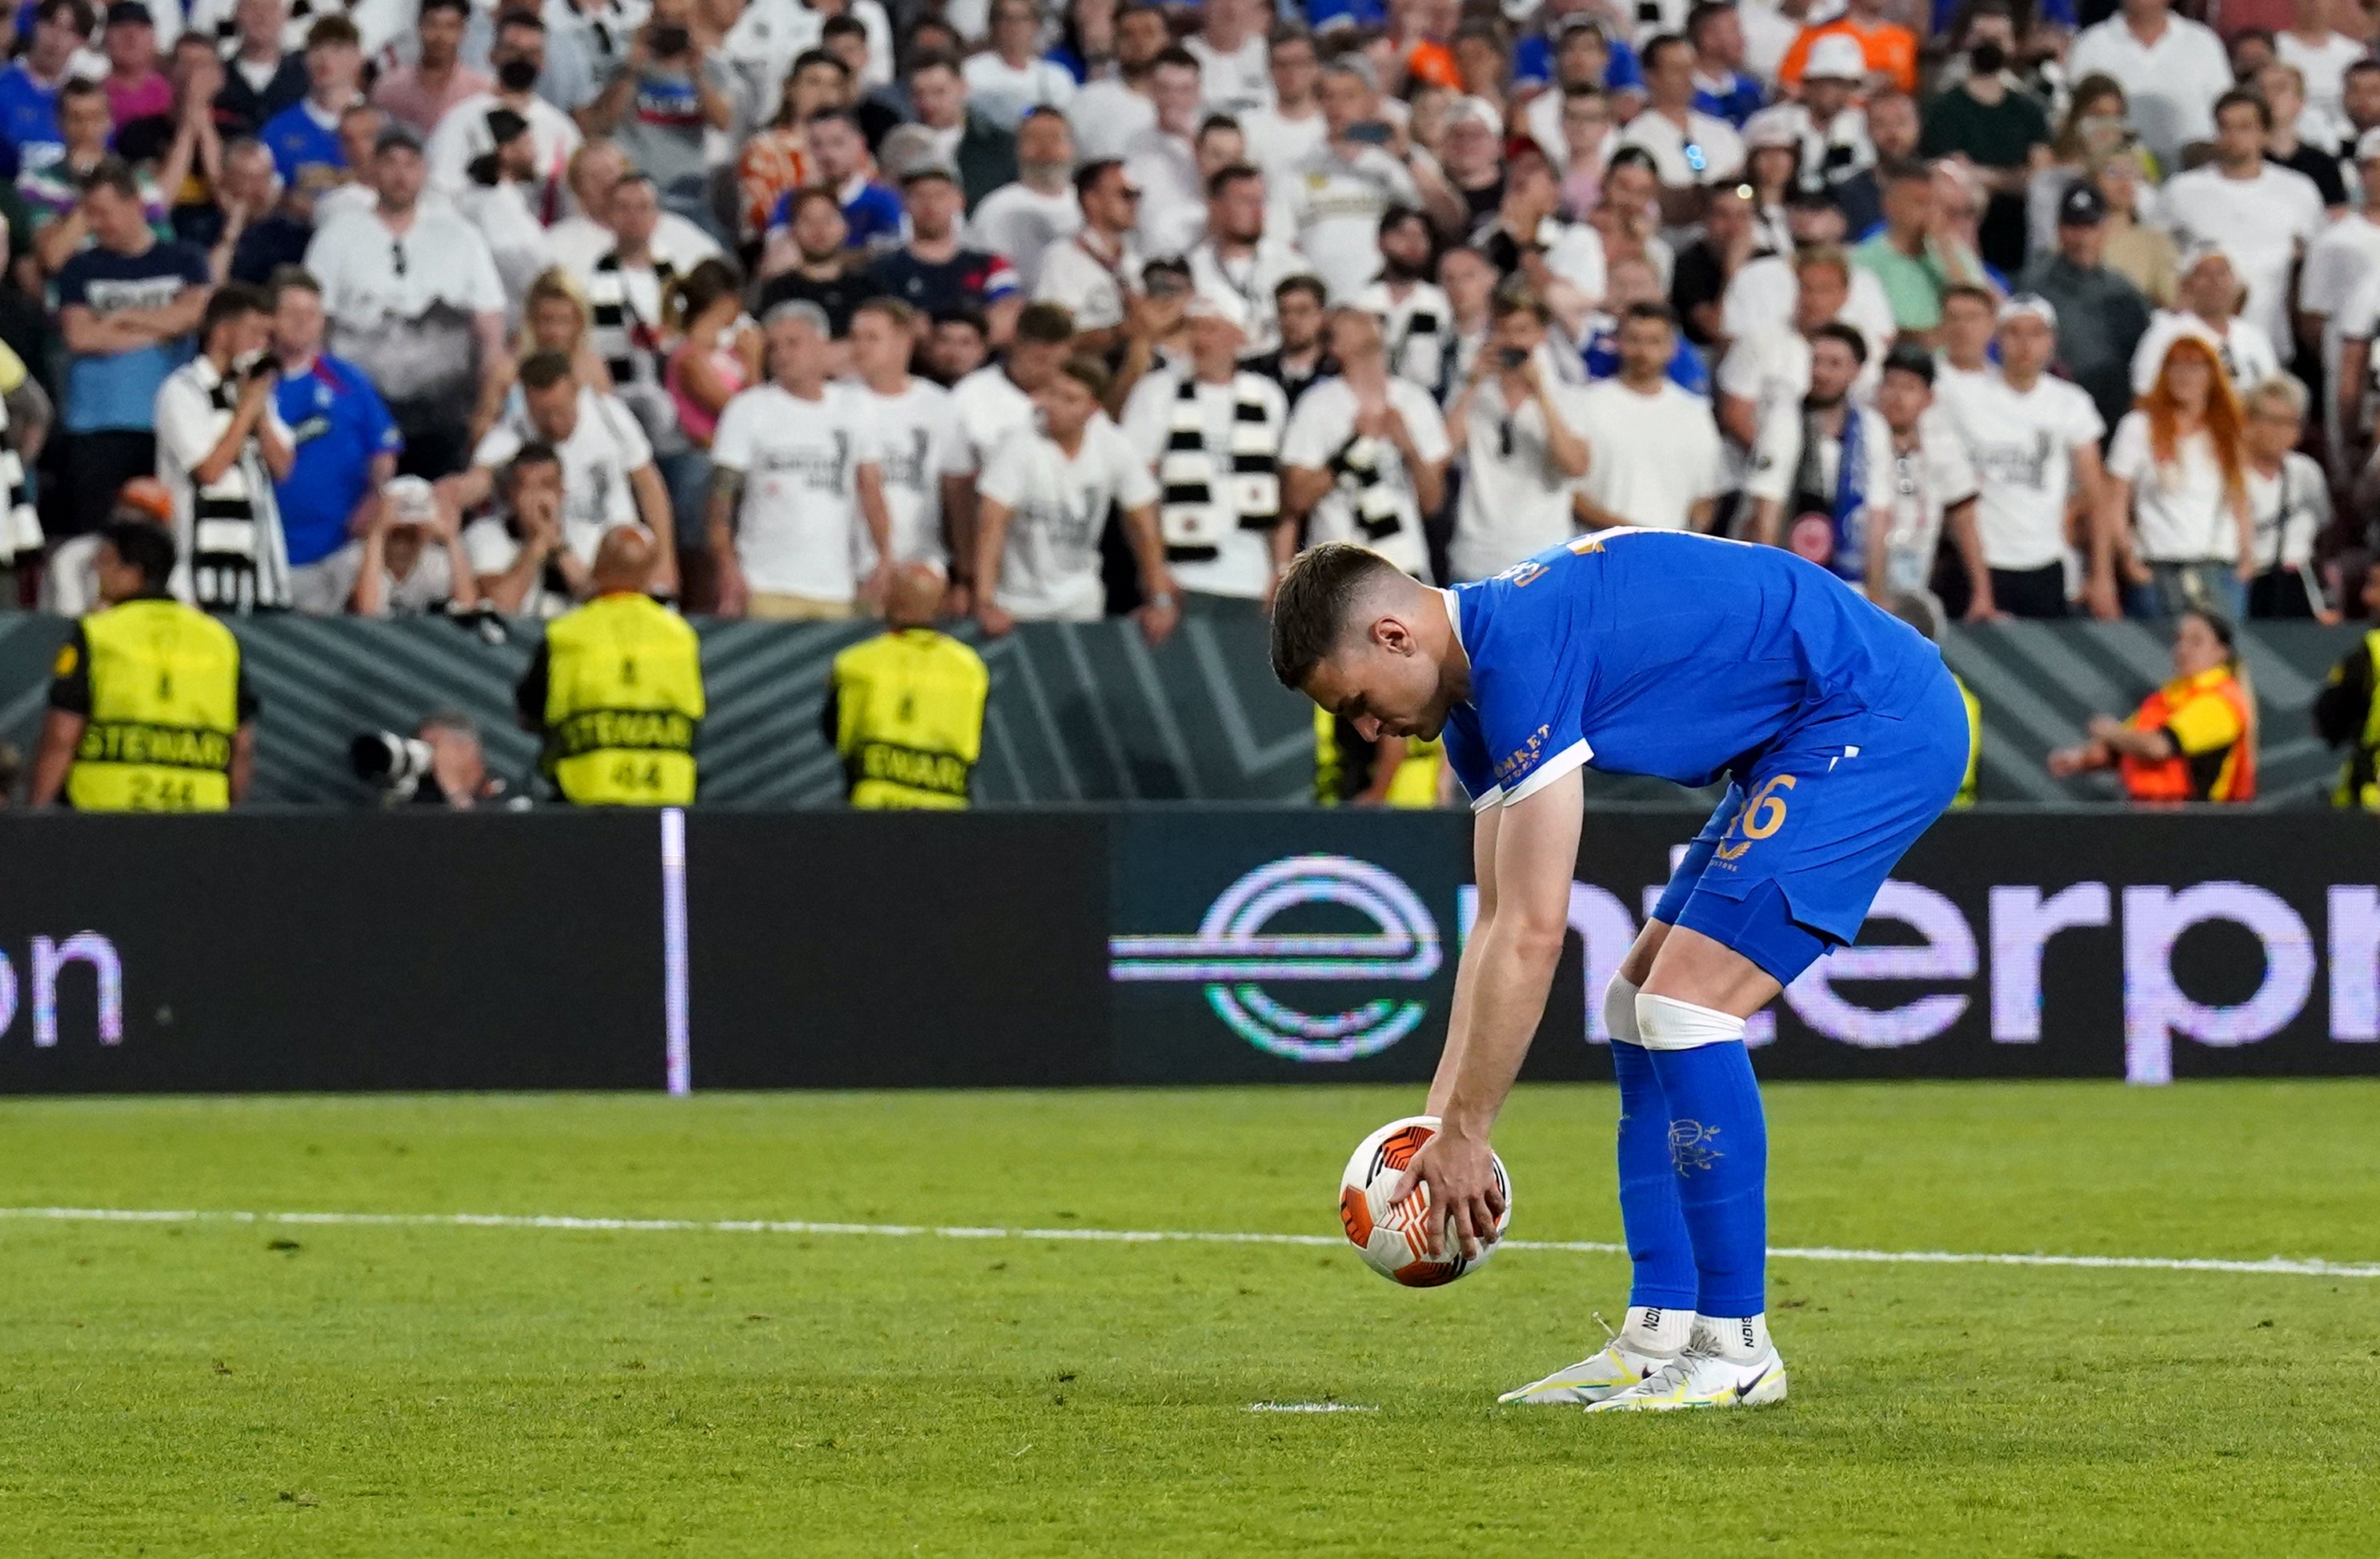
x: 2174, y: 506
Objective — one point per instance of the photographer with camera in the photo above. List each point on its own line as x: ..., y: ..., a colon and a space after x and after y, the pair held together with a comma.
x: 442, y: 764
x: 1524, y: 443
x: 220, y: 446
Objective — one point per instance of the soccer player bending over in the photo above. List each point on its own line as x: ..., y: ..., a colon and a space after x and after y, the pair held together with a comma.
x: 1841, y: 736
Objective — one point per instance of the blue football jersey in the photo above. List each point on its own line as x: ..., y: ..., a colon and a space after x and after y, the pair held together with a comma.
x: 1666, y: 653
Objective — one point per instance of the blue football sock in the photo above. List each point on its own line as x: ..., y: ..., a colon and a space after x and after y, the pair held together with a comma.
x: 1718, y: 1144
x: 1657, y: 1242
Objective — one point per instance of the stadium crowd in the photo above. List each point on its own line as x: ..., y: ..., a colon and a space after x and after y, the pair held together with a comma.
x: 1995, y: 310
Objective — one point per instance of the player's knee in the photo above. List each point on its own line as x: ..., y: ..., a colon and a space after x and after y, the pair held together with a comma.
x: 1666, y: 1023
x: 1619, y: 1011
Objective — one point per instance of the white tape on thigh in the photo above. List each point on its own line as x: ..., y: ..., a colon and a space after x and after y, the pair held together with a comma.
x: 1619, y: 1011
x: 1669, y: 1024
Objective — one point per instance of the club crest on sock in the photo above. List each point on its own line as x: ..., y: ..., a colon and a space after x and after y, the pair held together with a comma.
x: 1693, y: 1145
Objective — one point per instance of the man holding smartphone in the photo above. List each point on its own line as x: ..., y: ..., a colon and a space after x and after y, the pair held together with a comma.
x: 1338, y: 193
x: 1524, y: 444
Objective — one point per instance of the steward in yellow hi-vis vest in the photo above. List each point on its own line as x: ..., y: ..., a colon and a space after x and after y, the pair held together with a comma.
x: 1346, y: 767
x: 1966, y: 796
x: 2347, y: 713
x: 617, y: 690
x: 149, y: 708
x: 906, y: 708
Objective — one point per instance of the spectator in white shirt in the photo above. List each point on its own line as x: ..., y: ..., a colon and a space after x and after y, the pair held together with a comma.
x: 794, y: 464
x: 1043, y: 503
x: 2322, y: 56
x: 1821, y: 479
x: 1336, y: 195
x: 1417, y: 322
x: 1235, y: 259
x: 1010, y: 76
x: 1691, y: 150
x: 1211, y: 431
x: 2210, y: 295
x: 414, y: 301
x: 1234, y: 63
x: 998, y: 400
x: 463, y: 134
x: 2260, y: 213
x: 1291, y: 125
x: 1932, y: 491
x: 921, y: 448
x: 1092, y: 273
x: 1655, y: 458
x: 2035, y: 444
x: 1523, y: 441
x: 1364, y: 457
x: 1163, y: 159
x: 2289, y: 499
x: 1829, y: 127
x: 608, y: 477
x: 220, y: 447
x: 1020, y: 221
x: 410, y: 561
x: 2175, y: 496
x: 1108, y: 112
x: 2171, y: 69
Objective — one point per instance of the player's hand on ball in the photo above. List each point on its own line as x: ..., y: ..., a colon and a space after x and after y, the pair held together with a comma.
x: 1461, y: 1174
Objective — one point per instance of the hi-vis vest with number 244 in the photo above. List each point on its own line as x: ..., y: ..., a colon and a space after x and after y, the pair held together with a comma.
x: 164, y: 711
x: 623, y: 697
x: 908, y: 711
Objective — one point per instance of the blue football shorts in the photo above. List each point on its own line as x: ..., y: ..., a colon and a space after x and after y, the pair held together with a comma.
x: 1790, y: 862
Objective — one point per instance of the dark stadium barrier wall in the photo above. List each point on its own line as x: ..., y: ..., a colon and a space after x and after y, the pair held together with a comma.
x: 383, y: 951
x: 541, y: 950
x: 1089, y: 712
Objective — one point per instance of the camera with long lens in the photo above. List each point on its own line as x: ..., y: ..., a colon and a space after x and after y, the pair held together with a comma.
x: 392, y: 765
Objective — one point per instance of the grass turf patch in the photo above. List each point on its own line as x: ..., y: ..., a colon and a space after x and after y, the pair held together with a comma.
x: 338, y: 1389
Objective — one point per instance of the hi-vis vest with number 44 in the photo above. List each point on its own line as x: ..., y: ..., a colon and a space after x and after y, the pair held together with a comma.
x: 164, y: 711
x: 909, y: 719
x: 623, y: 697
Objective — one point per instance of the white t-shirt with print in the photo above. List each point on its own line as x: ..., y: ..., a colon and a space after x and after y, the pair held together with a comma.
x: 2290, y: 509
x: 1018, y: 223
x: 1075, y: 276
x: 1927, y: 483
x: 604, y: 446
x: 2179, y: 511
x: 1652, y: 457
x: 991, y: 410
x: 800, y: 460
x: 2022, y: 448
x: 1323, y: 424
x: 2261, y: 223
x: 1515, y: 500
x: 919, y: 441
x: 1049, y: 559
x: 1334, y: 206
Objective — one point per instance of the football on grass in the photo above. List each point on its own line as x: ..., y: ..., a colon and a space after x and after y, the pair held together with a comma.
x: 1409, y: 1241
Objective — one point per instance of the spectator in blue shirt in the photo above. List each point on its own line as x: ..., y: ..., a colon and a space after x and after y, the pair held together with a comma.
x: 307, y: 132
x: 1536, y: 58
x: 126, y: 307
x: 28, y: 87
x: 347, y: 443
x: 1722, y: 89
x: 1632, y: 280
x: 871, y: 212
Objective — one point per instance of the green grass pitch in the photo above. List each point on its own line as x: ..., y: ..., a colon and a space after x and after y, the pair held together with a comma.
x: 215, y: 1387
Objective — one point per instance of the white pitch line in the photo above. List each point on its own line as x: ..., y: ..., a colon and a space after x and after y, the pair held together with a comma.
x: 1308, y: 1407
x: 2270, y: 1266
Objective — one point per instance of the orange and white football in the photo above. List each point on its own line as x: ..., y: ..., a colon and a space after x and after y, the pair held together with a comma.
x: 1406, y: 1242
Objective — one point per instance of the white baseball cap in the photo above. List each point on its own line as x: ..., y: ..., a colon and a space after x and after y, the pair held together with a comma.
x: 2029, y: 306
x: 1836, y: 57
x: 410, y: 501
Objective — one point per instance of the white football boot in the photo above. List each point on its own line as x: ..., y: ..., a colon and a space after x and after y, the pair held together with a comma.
x: 1589, y: 1380
x: 1700, y: 1377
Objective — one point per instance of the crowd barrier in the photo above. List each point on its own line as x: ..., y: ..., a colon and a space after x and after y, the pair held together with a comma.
x: 723, y: 949
x: 1089, y: 712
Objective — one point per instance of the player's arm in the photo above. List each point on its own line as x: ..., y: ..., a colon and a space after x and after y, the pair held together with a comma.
x: 1509, y: 966
x: 1483, y: 829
